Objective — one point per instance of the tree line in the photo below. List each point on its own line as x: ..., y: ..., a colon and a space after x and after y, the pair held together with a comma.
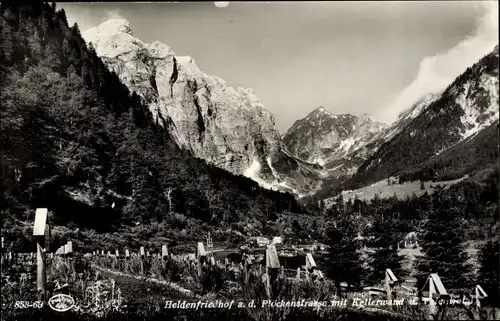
x: 363, y: 238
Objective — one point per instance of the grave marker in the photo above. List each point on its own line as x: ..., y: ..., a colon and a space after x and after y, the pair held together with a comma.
x: 164, y: 251
x: 390, y: 278
x: 200, y: 250
x: 436, y: 289
x: 479, y: 293
x: 272, y: 264
x: 210, y: 244
x: 310, y: 263
x: 69, y: 248
x: 272, y: 260
x: 40, y: 224
x: 141, y: 258
x: 68, y: 251
x: 39, y: 236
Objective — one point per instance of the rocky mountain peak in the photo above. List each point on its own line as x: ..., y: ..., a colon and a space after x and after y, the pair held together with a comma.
x: 322, y: 137
x: 226, y: 126
x: 118, y: 25
x: 320, y: 111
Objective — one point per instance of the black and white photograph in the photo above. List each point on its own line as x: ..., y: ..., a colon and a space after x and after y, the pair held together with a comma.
x: 250, y: 160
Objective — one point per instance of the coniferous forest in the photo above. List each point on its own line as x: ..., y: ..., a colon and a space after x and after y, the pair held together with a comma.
x: 76, y: 141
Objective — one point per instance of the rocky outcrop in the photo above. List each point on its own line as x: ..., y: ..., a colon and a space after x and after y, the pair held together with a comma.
x: 228, y: 127
x: 332, y: 141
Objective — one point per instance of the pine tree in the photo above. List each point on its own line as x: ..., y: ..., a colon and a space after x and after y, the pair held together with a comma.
x: 343, y: 261
x: 443, y: 243
x: 488, y: 274
x: 385, y: 256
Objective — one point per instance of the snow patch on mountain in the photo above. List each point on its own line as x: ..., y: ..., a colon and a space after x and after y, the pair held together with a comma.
x: 253, y: 172
x: 471, y: 118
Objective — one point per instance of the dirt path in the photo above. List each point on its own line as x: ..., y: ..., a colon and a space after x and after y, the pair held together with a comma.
x: 147, y: 279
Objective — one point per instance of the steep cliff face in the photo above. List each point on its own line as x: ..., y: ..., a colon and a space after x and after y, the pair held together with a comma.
x: 332, y: 141
x: 228, y: 127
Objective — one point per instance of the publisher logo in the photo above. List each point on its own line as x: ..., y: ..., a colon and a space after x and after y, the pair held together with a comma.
x: 61, y: 302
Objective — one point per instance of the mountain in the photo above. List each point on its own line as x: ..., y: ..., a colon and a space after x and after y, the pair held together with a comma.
x: 227, y: 127
x: 442, y: 136
x: 75, y: 140
x: 444, y: 129
x: 405, y: 117
x: 333, y: 141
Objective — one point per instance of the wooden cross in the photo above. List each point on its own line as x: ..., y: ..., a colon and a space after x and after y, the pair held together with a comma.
x: 390, y: 278
x: 436, y: 288
x: 479, y: 293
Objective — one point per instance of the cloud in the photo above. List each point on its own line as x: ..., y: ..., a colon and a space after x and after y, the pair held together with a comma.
x: 113, y: 14
x: 221, y: 4
x: 438, y: 71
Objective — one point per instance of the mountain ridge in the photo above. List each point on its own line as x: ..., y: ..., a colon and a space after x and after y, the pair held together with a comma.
x: 450, y: 121
x: 325, y: 138
x: 226, y: 126
x: 467, y: 107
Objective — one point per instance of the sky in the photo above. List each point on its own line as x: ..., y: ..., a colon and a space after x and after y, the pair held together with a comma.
x: 349, y: 57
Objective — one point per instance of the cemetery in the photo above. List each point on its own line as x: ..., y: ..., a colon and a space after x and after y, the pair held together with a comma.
x: 202, y: 273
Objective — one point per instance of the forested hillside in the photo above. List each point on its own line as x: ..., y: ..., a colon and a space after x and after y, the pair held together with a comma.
x: 455, y: 135
x: 75, y: 140
x: 449, y: 224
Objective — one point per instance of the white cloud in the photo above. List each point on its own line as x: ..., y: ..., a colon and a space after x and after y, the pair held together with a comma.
x: 113, y: 14
x: 221, y: 4
x: 438, y: 71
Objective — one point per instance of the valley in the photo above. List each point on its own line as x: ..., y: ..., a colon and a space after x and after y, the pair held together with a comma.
x: 130, y: 177
x: 391, y: 187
